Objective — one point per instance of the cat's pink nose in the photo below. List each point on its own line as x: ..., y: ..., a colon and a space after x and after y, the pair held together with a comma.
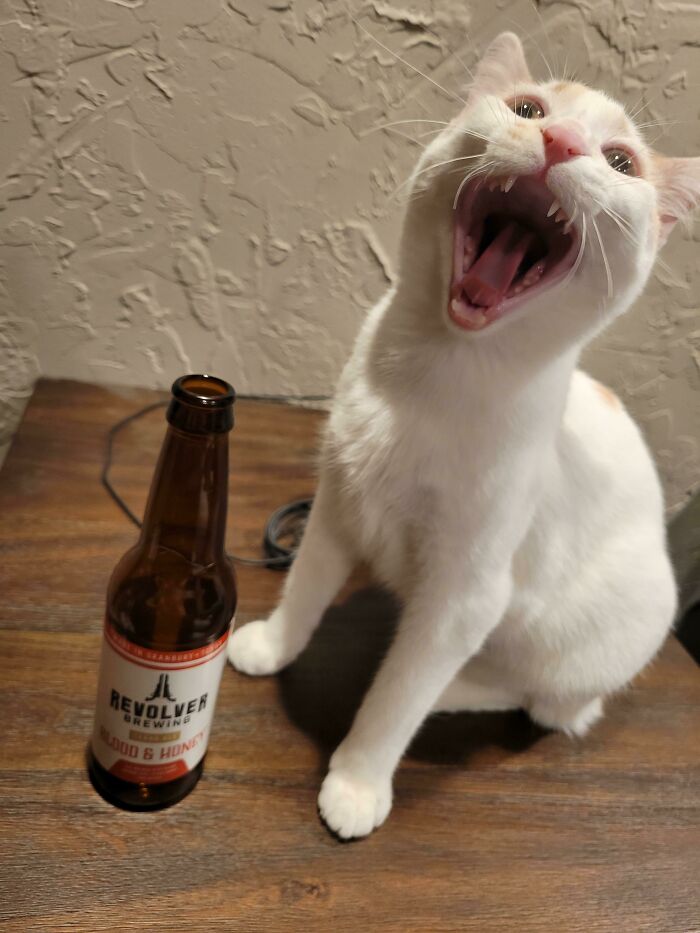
x: 562, y: 144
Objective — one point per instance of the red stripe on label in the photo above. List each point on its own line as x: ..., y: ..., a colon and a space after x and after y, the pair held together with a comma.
x: 163, y: 667
x: 148, y: 774
x: 163, y: 660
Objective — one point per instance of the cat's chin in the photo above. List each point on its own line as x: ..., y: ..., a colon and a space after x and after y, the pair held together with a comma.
x: 512, y: 241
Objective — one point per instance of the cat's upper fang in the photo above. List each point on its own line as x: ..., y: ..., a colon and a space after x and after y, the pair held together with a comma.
x: 502, y: 184
x: 570, y: 222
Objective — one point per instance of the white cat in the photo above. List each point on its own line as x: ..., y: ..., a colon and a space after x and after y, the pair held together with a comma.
x: 505, y: 496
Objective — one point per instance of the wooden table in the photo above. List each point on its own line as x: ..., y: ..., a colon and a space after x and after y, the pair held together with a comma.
x: 496, y: 825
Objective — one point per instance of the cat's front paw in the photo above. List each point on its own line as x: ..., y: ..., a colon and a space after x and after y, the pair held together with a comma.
x: 258, y: 648
x: 352, y: 806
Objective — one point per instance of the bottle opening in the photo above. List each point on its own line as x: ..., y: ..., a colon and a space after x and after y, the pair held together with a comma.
x: 204, y: 391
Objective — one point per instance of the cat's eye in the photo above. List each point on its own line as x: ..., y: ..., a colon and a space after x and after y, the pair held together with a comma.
x: 620, y: 160
x: 526, y: 108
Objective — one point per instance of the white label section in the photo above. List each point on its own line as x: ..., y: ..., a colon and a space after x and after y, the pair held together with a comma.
x: 154, y: 708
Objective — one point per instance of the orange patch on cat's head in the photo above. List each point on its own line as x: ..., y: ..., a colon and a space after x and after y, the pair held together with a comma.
x: 572, y: 87
x: 608, y: 395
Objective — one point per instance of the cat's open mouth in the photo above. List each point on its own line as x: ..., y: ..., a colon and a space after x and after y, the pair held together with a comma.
x: 506, y: 248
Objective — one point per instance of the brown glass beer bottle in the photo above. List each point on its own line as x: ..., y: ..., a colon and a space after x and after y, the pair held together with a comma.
x: 169, y: 606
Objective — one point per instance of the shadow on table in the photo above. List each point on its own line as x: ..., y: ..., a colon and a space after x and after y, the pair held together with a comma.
x: 322, y: 690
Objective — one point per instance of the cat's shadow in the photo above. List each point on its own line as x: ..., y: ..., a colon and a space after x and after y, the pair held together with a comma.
x: 324, y: 687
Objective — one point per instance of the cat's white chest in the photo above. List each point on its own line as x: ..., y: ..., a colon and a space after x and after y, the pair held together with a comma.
x: 399, y: 491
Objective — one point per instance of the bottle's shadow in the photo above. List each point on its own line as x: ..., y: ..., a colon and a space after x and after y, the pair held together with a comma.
x: 322, y: 690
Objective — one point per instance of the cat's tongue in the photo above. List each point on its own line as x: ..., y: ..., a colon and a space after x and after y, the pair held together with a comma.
x: 490, y: 277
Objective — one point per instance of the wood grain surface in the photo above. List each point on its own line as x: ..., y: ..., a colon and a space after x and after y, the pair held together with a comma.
x: 497, y: 826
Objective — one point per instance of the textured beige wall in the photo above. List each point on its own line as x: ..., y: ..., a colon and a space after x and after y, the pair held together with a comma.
x: 194, y: 185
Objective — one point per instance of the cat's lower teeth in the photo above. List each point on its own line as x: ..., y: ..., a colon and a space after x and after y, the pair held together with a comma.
x: 476, y: 317
x: 469, y: 253
x: 533, y: 275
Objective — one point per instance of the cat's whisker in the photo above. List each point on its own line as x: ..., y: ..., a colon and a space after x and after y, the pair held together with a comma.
x: 665, y: 266
x: 620, y: 218
x: 406, y: 136
x: 475, y: 135
x: 625, y: 230
x: 462, y: 63
x: 642, y: 126
x: 519, y: 28
x: 545, y: 33
x: 437, y: 133
x: 480, y: 169
x: 393, y: 123
x: 415, y: 195
x: 428, y: 168
x: 565, y: 75
x: 452, y: 52
x: 403, y: 61
x: 384, y: 126
x: 619, y: 184
x: 430, y: 133
x: 472, y: 76
x: 643, y: 102
x: 626, y: 234
x: 652, y: 142
x: 441, y: 123
x: 604, y: 256
x: 637, y: 106
x: 658, y: 260
x: 579, y: 255
x: 492, y: 108
x: 621, y: 221
x: 570, y: 222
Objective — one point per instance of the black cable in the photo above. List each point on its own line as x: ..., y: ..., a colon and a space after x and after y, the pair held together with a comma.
x: 279, y: 524
x: 289, y: 519
x: 111, y: 434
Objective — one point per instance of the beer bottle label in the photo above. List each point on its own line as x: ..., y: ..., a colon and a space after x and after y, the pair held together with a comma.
x: 154, y: 708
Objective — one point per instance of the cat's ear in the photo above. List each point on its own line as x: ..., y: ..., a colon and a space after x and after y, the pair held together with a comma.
x: 502, y: 66
x: 678, y: 191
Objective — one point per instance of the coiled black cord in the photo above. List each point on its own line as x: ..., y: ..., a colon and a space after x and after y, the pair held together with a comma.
x: 289, y: 520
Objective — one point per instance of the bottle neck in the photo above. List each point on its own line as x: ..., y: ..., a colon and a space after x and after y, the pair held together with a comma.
x: 186, y: 510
